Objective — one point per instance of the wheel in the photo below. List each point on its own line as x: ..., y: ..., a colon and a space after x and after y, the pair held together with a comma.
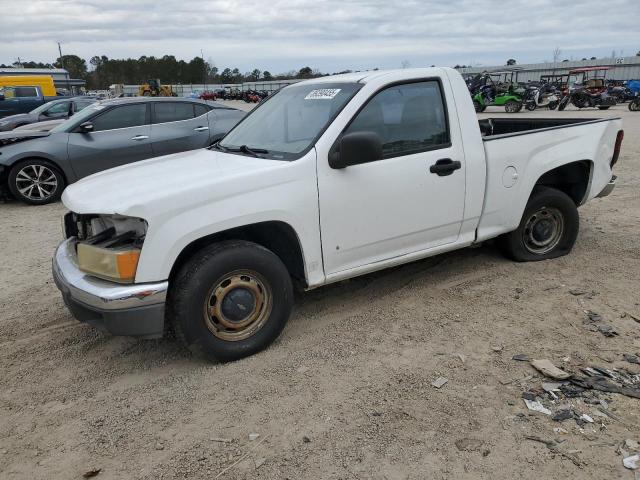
x: 36, y: 182
x: 548, y: 229
x: 511, y: 106
x: 230, y: 300
x: 146, y: 93
x: 477, y: 106
x: 563, y: 103
x: 553, y: 105
x: 633, y: 106
x: 603, y: 107
x: 531, y: 106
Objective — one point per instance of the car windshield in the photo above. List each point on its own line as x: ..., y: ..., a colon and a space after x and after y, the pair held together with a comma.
x: 286, y: 125
x: 42, y: 108
x: 78, y: 118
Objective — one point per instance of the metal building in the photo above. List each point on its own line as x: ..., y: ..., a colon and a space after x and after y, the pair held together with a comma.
x: 621, y: 68
x: 61, y: 78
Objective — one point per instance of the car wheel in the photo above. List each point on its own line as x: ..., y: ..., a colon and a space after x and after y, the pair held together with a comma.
x: 548, y: 229
x: 230, y: 300
x: 36, y: 182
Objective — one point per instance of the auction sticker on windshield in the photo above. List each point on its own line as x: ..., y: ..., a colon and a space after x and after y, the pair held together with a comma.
x: 322, y: 94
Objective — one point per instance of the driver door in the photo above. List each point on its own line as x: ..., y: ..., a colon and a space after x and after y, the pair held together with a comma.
x: 395, y: 206
x: 120, y: 135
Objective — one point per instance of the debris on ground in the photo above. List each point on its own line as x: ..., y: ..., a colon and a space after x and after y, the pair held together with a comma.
x: 439, y: 382
x: 536, y: 406
x: 259, y: 462
x: 253, y: 436
x: 220, y: 440
x: 91, y: 473
x: 593, y: 317
x: 548, y: 369
x: 552, y: 445
x: 632, y: 462
x: 576, y: 292
x: 607, y: 330
x: 631, y: 358
x: 521, y: 357
x: 562, y: 415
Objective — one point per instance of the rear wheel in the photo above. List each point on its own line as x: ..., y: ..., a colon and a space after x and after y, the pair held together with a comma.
x: 36, y: 182
x: 548, y: 229
x: 511, y: 106
x: 479, y: 108
x: 230, y: 300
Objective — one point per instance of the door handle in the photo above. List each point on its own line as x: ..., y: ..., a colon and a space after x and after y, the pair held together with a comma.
x: 201, y: 129
x: 140, y: 137
x: 445, y: 166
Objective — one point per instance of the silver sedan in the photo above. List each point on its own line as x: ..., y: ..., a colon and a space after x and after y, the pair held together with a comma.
x: 36, y: 166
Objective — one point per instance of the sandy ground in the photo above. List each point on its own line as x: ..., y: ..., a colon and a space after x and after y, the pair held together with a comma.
x: 346, y: 391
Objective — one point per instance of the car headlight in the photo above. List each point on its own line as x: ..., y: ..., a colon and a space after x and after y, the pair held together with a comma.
x: 108, y: 246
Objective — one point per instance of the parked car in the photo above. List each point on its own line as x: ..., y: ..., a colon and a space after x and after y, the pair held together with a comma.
x: 55, y: 109
x: 327, y: 179
x: 14, y: 100
x: 37, y: 166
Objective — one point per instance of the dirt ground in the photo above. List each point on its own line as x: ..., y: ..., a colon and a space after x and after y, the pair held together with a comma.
x: 346, y: 390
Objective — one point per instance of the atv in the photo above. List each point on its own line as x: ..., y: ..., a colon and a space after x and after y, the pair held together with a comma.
x: 502, y: 87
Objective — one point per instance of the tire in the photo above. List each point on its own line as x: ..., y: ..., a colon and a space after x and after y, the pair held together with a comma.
x: 605, y: 107
x: 209, y: 321
x: 563, y: 103
x: 553, y: 105
x: 512, y: 106
x: 477, y: 106
x: 531, y: 106
x: 633, y: 106
x: 548, y: 229
x: 36, y: 182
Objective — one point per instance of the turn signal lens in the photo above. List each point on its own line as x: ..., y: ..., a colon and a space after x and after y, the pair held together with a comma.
x: 108, y: 263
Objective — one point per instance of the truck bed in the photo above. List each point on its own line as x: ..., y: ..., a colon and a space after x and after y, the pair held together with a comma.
x: 501, y: 127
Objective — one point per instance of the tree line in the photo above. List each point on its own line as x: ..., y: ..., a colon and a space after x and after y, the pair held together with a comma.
x: 102, y: 71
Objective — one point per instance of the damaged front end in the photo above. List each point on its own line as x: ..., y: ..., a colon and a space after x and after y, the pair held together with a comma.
x: 107, y: 246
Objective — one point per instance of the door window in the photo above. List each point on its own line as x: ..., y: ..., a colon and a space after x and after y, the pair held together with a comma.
x: 121, y: 117
x: 200, y: 110
x: 81, y: 104
x: 173, y: 111
x: 57, y: 109
x: 408, y: 118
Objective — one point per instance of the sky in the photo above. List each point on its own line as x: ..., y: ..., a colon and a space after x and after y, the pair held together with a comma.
x: 330, y: 35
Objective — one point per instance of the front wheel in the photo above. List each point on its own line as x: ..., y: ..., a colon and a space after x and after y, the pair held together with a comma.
x: 230, y: 300
x: 548, y: 229
x: 531, y: 106
x: 36, y: 182
x: 553, y: 105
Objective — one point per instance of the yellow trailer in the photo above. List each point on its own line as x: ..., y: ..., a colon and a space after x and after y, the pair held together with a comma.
x: 45, y: 83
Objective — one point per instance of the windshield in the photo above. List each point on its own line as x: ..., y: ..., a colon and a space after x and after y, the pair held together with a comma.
x: 41, y: 108
x: 288, y: 124
x: 78, y: 118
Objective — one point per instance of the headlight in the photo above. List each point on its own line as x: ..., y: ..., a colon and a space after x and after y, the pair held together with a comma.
x: 108, y: 245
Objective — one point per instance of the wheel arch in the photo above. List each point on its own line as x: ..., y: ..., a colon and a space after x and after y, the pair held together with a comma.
x: 276, y: 236
x: 571, y: 178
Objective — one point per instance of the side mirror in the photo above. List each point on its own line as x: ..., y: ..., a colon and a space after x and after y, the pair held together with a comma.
x: 86, y: 127
x: 356, y: 148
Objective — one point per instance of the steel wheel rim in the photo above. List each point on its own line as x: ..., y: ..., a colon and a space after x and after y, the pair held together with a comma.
x: 511, y: 107
x: 36, y: 182
x: 543, y: 230
x: 219, y: 317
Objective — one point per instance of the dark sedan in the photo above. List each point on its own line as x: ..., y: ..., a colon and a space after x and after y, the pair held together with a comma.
x: 56, y: 109
x: 36, y: 166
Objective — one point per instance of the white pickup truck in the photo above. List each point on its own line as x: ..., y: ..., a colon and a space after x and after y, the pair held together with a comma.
x: 328, y: 179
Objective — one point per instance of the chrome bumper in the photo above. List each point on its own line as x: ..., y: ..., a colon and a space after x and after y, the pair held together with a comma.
x: 136, y: 309
x: 608, y: 188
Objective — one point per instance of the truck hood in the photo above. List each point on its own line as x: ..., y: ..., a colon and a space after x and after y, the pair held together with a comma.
x: 164, y: 185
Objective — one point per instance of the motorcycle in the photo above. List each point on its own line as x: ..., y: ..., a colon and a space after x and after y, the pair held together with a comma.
x: 580, y: 97
x: 543, y: 96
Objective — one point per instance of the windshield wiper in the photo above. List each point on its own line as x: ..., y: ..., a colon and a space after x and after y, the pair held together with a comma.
x: 252, y: 151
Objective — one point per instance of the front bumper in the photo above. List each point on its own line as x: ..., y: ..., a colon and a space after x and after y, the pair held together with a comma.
x: 135, y: 310
x: 608, y: 188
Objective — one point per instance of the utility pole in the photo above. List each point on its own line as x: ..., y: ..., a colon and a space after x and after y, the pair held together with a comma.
x: 204, y: 71
x: 62, y: 65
